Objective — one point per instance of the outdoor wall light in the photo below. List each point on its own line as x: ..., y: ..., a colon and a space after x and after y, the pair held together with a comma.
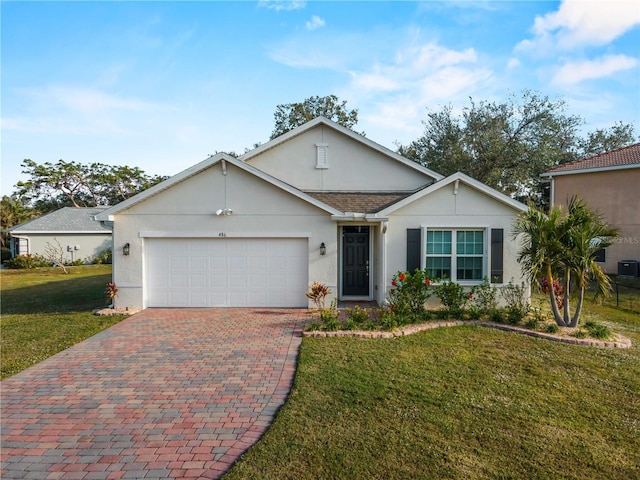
x: 126, y: 249
x: 323, y: 249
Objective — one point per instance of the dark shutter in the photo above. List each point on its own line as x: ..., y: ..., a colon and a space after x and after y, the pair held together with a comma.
x: 497, y: 244
x: 413, y: 249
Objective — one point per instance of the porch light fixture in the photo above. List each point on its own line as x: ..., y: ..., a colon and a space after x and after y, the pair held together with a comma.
x: 323, y: 249
x: 224, y: 212
x: 126, y: 249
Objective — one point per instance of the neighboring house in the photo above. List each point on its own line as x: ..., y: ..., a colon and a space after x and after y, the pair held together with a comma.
x: 319, y: 203
x: 610, y: 184
x: 75, y: 229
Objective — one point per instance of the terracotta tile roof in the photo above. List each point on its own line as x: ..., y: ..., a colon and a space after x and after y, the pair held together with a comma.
x: 359, y: 202
x: 616, y: 158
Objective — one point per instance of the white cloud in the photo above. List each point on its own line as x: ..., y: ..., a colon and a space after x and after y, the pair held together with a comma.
x: 315, y: 22
x: 580, y: 23
x: 575, y: 72
x: 279, y: 5
x: 513, y: 63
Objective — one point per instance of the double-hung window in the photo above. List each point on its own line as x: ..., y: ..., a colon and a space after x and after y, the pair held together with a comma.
x: 456, y: 254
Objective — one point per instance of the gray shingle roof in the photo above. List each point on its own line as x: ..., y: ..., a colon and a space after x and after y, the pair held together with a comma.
x: 360, y: 202
x: 67, y: 219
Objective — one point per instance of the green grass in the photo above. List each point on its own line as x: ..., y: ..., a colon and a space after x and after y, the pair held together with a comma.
x: 45, y: 311
x: 460, y: 403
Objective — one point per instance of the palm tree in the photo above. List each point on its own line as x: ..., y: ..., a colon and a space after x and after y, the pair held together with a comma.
x: 542, y: 247
x: 557, y: 243
x: 588, y: 234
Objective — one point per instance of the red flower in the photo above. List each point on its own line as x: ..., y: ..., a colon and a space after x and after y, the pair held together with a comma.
x: 470, y: 296
x: 402, y: 277
x: 427, y: 282
x: 394, y: 283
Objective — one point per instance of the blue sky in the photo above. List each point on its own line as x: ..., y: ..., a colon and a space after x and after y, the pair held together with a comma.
x: 161, y: 85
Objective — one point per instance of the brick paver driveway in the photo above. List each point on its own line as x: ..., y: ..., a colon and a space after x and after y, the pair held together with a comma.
x: 165, y: 393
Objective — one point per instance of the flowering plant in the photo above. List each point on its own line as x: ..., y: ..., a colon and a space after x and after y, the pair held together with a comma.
x: 410, y: 292
x: 111, y: 291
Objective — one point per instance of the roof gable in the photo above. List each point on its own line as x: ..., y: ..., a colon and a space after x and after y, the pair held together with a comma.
x: 626, y: 157
x: 220, y: 158
x: 453, y: 180
x: 64, y: 220
x: 340, y: 131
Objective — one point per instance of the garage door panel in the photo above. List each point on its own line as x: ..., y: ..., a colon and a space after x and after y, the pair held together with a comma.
x: 226, y: 272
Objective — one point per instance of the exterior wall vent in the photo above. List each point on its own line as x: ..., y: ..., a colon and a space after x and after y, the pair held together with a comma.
x: 322, y: 160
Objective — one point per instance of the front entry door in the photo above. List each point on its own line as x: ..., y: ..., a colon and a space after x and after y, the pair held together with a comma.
x: 355, y: 261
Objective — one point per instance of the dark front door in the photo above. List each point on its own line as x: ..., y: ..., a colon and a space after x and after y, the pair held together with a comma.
x: 355, y: 261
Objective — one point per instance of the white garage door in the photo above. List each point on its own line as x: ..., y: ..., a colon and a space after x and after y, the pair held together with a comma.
x: 226, y: 272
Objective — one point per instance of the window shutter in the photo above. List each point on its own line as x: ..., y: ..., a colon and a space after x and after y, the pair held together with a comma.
x: 497, y: 245
x: 322, y: 160
x: 413, y: 249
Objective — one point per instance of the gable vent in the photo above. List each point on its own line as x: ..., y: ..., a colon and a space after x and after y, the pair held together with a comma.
x: 322, y: 160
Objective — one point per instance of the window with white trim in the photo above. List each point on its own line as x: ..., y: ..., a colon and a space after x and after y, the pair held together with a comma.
x: 456, y: 254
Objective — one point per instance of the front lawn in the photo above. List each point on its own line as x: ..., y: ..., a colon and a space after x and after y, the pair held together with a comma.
x: 45, y: 311
x: 461, y: 402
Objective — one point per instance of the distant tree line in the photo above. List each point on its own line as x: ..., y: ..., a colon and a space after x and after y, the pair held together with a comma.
x: 506, y: 145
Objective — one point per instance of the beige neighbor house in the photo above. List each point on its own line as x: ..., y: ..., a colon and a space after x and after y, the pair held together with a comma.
x: 610, y: 184
x: 319, y: 203
x: 72, y: 229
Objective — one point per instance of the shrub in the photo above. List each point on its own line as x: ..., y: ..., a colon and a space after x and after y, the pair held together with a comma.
x: 357, y: 315
x: 313, y: 326
x: 27, y: 261
x: 329, y: 317
x: 104, y: 257
x: 6, y: 254
x: 475, y: 313
x: 597, y: 330
x: 496, y: 315
x: 580, y: 333
x: 388, y: 319
x: 453, y: 297
x: 409, y: 293
x: 552, y: 328
x: 516, y: 300
x: 485, y: 297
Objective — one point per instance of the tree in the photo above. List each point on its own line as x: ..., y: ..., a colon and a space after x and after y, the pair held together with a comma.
x: 508, y: 145
x: 54, y: 185
x: 605, y: 140
x: 12, y: 213
x: 291, y: 115
x: 559, y: 244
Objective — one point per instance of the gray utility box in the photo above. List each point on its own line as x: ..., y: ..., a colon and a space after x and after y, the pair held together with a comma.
x: 629, y: 268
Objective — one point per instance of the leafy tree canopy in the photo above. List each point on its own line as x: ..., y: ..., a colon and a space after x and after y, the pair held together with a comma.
x: 291, y: 115
x: 54, y: 185
x: 507, y: 145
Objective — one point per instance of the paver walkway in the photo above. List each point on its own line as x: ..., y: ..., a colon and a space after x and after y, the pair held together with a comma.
x: 166, y: 393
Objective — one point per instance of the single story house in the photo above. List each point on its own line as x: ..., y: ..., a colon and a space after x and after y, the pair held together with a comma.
x: 610, y: 184
x: 319, y: 203
x: 80, y: 236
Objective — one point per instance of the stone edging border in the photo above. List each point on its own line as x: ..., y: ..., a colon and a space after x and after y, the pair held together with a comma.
x: 621, y: 342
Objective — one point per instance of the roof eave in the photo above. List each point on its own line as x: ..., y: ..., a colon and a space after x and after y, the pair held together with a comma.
x: 552, y: 173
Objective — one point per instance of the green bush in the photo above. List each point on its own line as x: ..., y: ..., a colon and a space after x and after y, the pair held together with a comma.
x: 357, y: 315
x: 552, y: 328
x: 485, y: 297
x: 496, y: 315
x: 597, y: 330
x: 517, y: 302
x: 453, y: 297
x: 388, y: 319
x: 409, y: 293
x: 329, y: 317
x: 27, y: 261
x: 6, y: 254
x: 104, y: 257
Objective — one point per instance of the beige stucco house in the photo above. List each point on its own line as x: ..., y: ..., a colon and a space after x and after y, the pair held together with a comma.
x: 319, y: 203
x: 72, y: 229
x: 610, y: 184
